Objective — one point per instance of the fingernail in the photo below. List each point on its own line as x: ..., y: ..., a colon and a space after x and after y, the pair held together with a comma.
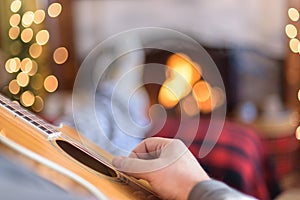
x: 117, y: 161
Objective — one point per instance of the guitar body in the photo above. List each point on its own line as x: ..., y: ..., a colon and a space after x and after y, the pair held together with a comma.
x: 72, y: 156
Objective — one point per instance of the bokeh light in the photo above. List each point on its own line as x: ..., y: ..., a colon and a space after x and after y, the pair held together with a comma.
x: 14, y: 87
x: 15, y: 6
x: 14, y: 20
x: 294, y: 45
x: 293, y: 14
x: 60, y: 55
x: 38, y: 104
x: 22, y: 79
x: 26, y: 65
x: 202, y: 91
x: 34, y: 68
x: 14, y: 32
x: 27, y: 98
x: 39, y: 16
x: 54, y: 9
x: 291, y: 31
x: 27, y: 35
x: 35, y: 50
x: 42, y: 37
x: 51, y: 83
x: 27, y: 18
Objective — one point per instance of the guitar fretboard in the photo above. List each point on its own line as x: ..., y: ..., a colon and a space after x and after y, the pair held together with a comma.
x: 29, y: 117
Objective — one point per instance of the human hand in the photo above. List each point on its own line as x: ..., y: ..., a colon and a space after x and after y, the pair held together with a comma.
x: 166, y: 164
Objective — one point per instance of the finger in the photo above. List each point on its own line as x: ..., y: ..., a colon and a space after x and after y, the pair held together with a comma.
x: 168, y: 154
x: 150, y: 148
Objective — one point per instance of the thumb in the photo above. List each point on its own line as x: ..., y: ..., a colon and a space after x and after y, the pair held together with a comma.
x: 132, y: 165
x: 117, y: 162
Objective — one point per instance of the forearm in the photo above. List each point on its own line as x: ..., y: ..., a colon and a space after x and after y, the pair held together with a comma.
x: 215, y: 190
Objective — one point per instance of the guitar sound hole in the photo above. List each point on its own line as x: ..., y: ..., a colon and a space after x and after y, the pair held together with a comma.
x: 85, y: 159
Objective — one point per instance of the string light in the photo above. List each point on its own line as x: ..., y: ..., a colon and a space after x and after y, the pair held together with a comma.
x: 28, y: 41
x: 291, y: 30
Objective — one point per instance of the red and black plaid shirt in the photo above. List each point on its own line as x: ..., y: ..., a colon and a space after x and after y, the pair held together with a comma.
x: 238, y: 158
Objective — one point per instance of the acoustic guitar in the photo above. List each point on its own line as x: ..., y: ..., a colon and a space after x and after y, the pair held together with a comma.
x: 68, y: 153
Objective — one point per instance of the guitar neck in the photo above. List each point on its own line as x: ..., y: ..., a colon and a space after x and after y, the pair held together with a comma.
x: 26, y: 116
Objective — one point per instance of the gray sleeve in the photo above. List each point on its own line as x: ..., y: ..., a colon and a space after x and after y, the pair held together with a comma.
x: 216, y: 190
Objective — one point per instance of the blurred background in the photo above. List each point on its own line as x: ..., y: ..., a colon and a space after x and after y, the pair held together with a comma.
x: 255, y: 45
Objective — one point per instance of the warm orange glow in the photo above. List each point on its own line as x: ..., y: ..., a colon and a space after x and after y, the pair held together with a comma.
x: 298, y: 133
x: 14, y: 32
x: 196, y: 73
x: 39, y: 16
x: 38, y: 105
x: 206, y: 106
x: 294, y: 45
x: 27, y: 99
x: 15, y: 6
x: 60, y: 55
x: 178, y: 59
x: 167, y: 96
x: 15, y: 20
x: 202, y: 91
x: 54, y: 9
x: 27, y: 35
x: 180, y: 65
x: 291, y: 31
x: 35, y: 50
x: 42, y: 37
x: 26, y: 65
x: 51, y: 83
x: 27, y: 18
x: 22, y: 79
x: 299, y: 95
x: 293, y: 14
x: 190, y: 106
x: 181, y: 75
x: 13, y: 87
